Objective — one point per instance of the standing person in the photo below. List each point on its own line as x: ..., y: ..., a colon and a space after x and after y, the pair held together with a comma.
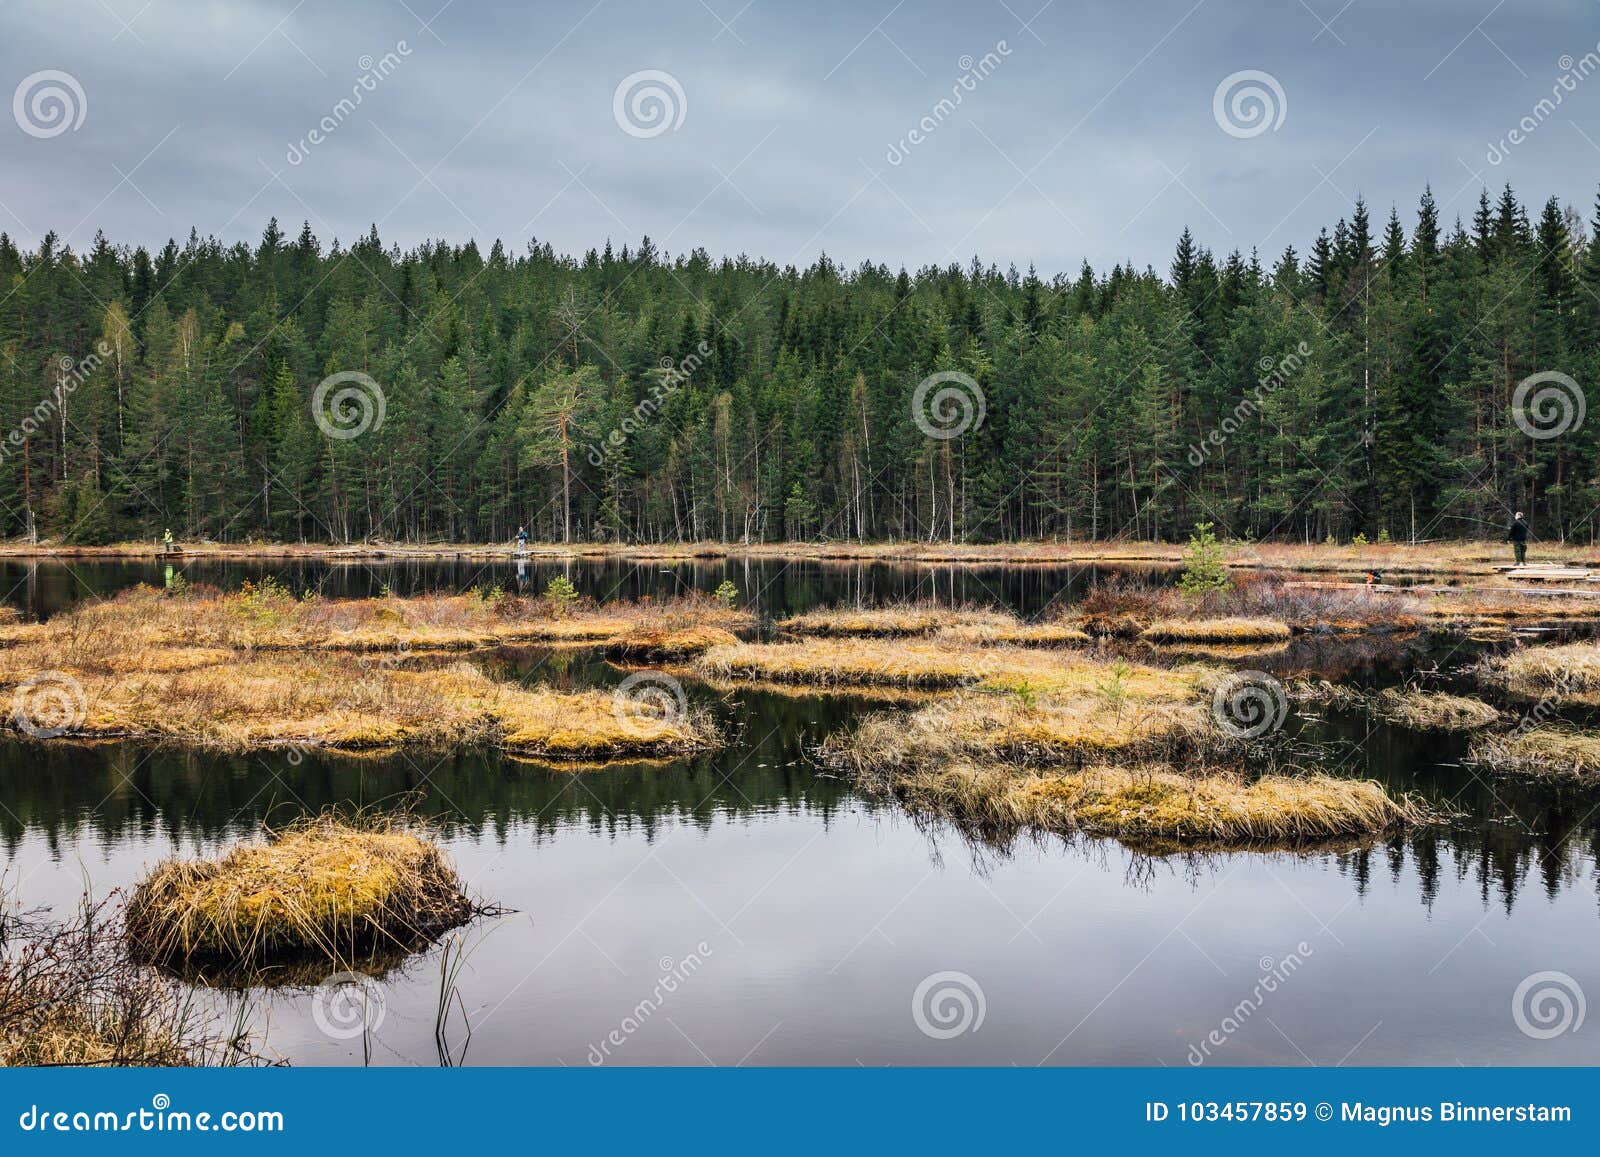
x: 522, y: 539
x: 1517, y: 536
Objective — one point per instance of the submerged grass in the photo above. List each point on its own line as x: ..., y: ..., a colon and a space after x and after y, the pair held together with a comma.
x: 325, y: 887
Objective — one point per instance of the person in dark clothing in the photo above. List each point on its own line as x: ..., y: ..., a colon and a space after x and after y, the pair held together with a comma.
x: 1517, y: 536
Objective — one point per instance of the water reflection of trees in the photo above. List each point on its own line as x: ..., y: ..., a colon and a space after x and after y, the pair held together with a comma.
x: 1509, y: 835
x: 118, y: 791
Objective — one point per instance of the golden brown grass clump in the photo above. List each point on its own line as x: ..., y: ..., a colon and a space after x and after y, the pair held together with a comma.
x: 1050, y: 633
x: 893, y: 621
x: 324, y: 887
x: 1116, y: 707
x: 1551, y: 750
x: 1152, y: 804
x: 927, y: 663
x: 1433, y: 710
x: 1233, y: 629
x: 1573, y: 668
x: 657, y: 644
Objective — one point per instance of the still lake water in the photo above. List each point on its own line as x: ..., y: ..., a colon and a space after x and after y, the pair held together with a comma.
x: 798, y: 922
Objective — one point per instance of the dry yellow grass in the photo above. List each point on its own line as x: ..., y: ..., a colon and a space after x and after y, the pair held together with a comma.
x: 649, y: 644
x: 143, y: 619
x: 1154, y: 804
x: 330, y: 700
x: 1553, y: 749
x: 1225, y: 630
x: 928, y: 663
x: 1457, y: 612
x: 960, y: 625
x: 1015, y: 634
x: 126, y: 668
x: 1433, y: 710
x: 1033, y: 729
x: 1574, y: 667
x: 324, y: 887
x: 70, y: 994
x: 891, y: 621
x: 83, y: 1033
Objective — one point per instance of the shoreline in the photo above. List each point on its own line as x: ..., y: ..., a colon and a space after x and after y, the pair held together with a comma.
x: 1470, y: 557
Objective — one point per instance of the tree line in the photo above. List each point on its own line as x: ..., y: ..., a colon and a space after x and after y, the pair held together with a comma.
x: 1410, y: 383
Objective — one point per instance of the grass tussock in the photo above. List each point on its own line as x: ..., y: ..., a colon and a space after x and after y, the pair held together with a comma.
x: 925, y: 663
x: 1050, y: 633
x: 1233, y: 629
x: 1033, y: 729
x: 897, y: 620
x: 1574, y: 667
x: 71, y: 995
x: 1433, y: 710
x: 647, y: 644
x: 1153, y: 804
x: 325, y: 887
x: 1551, y: 750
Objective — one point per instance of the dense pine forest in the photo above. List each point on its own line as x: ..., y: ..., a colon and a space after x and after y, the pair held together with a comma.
x: 1366, y: 386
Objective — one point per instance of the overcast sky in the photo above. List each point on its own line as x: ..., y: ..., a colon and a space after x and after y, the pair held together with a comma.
x: 1083, y: 129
